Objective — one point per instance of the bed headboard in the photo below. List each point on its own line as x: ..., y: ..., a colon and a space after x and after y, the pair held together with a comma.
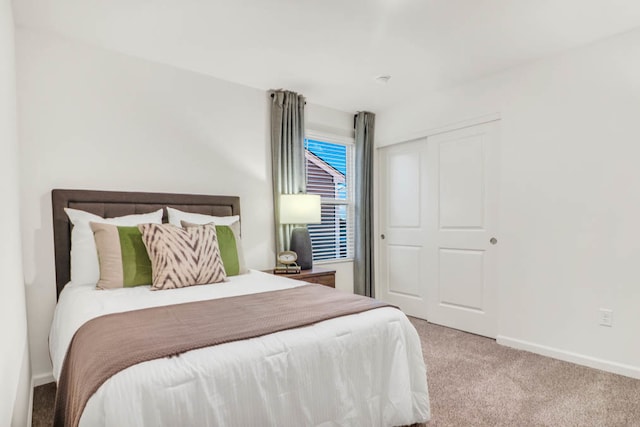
x: 110, y: 204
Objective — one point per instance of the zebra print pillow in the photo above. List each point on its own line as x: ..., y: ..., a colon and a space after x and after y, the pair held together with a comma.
x: 183, y: 257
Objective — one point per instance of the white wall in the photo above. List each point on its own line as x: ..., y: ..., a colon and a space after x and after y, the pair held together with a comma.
x: 570, y: 196
x: 15, y: 374
x: 95, y: 119
x: 327, y: 120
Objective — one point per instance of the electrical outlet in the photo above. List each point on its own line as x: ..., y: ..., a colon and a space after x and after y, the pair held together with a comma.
x: 606, y: 317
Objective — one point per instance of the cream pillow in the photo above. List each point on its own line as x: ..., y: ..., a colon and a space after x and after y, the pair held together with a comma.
x: 177, y: 216
x: 85, y: 268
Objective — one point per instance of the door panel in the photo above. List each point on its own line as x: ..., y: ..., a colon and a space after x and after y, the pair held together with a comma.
x: 462, y: 177
x: 403, y: 274
x: 461, y: 279
x: 402, y: 270
x: 404, y: 200
x: 462, y: 182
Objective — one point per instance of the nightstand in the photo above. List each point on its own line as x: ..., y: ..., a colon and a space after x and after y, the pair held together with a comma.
x: 321, y: 276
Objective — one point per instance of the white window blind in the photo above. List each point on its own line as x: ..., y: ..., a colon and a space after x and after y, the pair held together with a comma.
x: 330, y: 164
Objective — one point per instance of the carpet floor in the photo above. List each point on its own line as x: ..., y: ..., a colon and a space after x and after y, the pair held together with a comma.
x: 475, y: 382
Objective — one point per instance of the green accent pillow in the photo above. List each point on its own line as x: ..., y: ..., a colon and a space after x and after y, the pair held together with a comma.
x: 122, y: 255
x: 228, y: 250
x: 230, y: 247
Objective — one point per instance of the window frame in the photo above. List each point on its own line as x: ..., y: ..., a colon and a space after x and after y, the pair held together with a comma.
x: 349, y: 202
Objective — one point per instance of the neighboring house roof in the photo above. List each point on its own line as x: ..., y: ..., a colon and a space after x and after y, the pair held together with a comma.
x: 338, y: 177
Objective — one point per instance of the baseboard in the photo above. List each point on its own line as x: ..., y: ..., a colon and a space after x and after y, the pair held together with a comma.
x: 567, y: 356
x: 42, y: 379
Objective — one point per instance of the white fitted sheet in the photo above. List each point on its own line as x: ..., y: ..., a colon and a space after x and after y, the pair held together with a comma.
x: 365, y: 369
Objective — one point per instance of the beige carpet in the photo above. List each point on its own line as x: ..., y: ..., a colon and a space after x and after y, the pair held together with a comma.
x: 43, y: 401
x: 475, y: 382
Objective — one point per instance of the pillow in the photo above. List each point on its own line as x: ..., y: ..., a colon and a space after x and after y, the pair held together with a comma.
x: 124, y: 261
x: 176, y: 217
x: 183, y: 257
x: 84, y: 258
x: 230, y: 247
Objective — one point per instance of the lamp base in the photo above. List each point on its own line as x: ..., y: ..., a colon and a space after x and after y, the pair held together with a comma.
x: 301, y: 245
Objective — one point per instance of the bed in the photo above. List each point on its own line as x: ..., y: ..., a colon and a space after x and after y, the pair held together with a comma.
x: 364, y: 369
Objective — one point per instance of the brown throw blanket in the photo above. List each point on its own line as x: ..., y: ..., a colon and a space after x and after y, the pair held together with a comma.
x: 108, y: 344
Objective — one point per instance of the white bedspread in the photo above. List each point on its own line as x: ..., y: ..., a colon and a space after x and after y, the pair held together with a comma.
x: 360, y: 370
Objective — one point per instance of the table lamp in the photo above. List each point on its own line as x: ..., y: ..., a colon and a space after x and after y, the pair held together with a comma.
x: 300, y: 209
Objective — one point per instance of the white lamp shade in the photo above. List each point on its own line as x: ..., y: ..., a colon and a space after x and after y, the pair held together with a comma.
x: 300, y: 209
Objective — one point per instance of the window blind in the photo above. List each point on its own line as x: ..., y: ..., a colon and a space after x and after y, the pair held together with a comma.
x: 329, y: 170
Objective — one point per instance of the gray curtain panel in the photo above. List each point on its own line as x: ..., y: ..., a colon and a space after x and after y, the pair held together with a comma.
x: 363, y: 280
x: 287, y: 154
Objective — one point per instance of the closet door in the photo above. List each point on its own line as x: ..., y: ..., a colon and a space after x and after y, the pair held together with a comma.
x: 403, y: 263
x: 438, y: 228
x: 462, y: 199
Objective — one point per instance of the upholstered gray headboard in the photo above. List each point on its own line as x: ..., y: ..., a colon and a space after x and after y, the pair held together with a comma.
x: 110, y: 204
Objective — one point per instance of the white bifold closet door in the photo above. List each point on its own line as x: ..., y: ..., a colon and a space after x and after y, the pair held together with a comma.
x: 438, y: 225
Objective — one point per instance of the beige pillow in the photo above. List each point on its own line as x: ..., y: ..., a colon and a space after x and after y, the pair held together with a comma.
x: 123, y: 257
x: 182, y: 257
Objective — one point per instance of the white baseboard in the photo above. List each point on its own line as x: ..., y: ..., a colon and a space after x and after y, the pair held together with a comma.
x: 567, y: 356
x: 42, y: 379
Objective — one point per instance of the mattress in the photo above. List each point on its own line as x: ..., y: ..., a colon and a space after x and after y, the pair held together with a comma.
x: 365, y: 369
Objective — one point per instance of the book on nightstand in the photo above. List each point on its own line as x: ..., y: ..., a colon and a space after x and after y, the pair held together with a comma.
x: 287, y: 269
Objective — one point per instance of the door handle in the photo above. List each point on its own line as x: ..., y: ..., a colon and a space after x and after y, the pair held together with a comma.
x: 493, y: 240
x: 382, y: 236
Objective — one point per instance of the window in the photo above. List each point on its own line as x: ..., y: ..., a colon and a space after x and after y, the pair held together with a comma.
x: 330, y: 164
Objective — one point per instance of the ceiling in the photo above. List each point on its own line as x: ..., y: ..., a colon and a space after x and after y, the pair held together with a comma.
x: 331, y: 50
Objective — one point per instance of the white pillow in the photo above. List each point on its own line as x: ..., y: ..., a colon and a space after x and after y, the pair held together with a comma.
x: 85, y: 268
x: 176, y: 217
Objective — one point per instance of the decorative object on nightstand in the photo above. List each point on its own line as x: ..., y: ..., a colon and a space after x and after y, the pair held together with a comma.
x: 300, y: 209
x: 288, y: 265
